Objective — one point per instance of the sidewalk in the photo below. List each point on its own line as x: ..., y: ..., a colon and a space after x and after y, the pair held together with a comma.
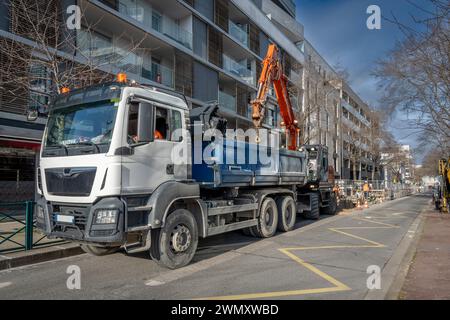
x: 429, y: 273
x: 47, y: 249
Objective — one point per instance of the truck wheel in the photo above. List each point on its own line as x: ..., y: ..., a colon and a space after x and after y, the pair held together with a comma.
x: 314, y: 213
x: 98, y: 251
x: 287, y: 213
x: 174, y: 245
x: 332, y: 206
x: 267, y: 220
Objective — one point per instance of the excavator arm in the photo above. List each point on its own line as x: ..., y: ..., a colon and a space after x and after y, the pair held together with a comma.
x: 272, y: 72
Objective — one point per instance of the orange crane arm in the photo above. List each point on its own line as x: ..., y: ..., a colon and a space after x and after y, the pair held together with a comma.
x: 272, y: 72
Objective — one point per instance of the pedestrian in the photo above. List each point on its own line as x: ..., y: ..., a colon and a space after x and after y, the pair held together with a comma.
x: 366, y: 190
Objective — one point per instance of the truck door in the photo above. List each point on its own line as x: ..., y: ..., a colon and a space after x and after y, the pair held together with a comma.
x: 149, y: 164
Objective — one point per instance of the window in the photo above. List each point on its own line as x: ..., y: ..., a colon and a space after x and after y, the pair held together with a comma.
x: 156, y: 21
x: 175, y: 124
x: 132, y: 123
x: 166, y: 123
x: 91, y: 123
x: 161, y: 126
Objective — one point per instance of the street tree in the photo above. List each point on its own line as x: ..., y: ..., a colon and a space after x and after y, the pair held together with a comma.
x: 45, y: 54
x: 416, y: 75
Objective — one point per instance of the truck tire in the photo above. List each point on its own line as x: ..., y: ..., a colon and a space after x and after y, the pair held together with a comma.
x: 98, y: 251
x: 314, y: 213
x: 331, y: 209
x: 287, y: 213
x: 267, y: 220
x: 174, y: 245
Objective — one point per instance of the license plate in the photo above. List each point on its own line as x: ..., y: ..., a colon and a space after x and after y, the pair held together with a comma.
x: 64, y: 218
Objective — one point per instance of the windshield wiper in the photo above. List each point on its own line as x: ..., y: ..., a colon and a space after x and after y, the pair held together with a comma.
x: 87, y: 143
x: 59, y: 146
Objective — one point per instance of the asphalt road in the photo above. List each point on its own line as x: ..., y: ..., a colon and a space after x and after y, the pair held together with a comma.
x: 325, y: 259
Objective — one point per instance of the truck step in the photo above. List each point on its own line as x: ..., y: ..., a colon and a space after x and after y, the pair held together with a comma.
x: 139, y: 246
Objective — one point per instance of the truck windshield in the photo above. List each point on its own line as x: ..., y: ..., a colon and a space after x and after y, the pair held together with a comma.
x: 81, y: 126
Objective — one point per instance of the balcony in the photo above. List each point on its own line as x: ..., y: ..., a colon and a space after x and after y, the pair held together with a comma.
x: 239, y: 33
x: 143, y: 13
x: 355, y: 112
x: 227, y: 101
x: 106, y: 54
x: 240, y: 69
x: 171, y: 29
x: 158, y: 73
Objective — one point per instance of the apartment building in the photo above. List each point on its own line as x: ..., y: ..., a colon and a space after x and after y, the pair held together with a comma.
x: 399, y: 165
x: 321, y: 109
x: 208, y: 50
x: 359, y: 125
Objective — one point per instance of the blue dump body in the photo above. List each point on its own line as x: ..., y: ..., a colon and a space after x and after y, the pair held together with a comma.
x: 238, y: 164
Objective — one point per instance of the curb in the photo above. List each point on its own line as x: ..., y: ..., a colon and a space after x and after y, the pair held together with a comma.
x: 38, y: 255
x: 396, y: 269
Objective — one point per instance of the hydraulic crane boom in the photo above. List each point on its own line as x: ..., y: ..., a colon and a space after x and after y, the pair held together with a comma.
x: 272, y: 72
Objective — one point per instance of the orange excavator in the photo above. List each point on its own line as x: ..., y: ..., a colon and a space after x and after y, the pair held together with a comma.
x: 320, y: 174
x: 272, y: 72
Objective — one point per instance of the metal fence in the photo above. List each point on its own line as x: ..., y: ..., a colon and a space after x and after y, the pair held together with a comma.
x: 17, y: 225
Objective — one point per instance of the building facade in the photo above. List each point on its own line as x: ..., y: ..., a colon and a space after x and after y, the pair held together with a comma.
x: 360, y: 132
x: 208, y: 50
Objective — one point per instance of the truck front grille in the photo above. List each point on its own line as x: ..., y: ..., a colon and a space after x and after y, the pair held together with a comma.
x: 72, y: 182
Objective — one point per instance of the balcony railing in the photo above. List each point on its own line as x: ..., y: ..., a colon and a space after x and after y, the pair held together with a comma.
x: 133, y: 63
x: 171, y: 29
x: 142, y: 12
x: 238, y: 33
x: 240, y: 69
x: 353, y: 111
x: 227, y: 100
x: 158, y: 73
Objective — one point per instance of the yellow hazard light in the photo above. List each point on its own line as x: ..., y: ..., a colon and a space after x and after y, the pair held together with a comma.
x: 121, y: 77
x: 65, y: 90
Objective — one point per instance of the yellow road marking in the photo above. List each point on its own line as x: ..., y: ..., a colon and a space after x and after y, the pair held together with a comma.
x: 337, y: 285
x: 274, y: 294
x: 376, y: 222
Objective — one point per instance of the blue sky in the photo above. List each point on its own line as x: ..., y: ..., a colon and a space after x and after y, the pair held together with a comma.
x: 337, y: 29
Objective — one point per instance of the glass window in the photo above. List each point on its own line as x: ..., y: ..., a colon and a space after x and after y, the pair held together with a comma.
x: 133, y: 123
x: 156, y: 21
x: 82, y: 124
x: 175, y: 122
x: 161, y: 125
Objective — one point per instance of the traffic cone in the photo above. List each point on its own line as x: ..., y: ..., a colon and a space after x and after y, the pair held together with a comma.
x: 358, y: 205
x: 366, y: 204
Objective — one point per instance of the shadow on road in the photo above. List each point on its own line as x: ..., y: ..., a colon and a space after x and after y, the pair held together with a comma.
x: 219, y: 244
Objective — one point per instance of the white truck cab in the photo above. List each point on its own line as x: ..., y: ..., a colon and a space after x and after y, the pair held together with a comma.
x: 105, y: 151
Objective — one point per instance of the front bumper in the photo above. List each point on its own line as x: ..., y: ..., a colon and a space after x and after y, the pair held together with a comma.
x: 83, y: 229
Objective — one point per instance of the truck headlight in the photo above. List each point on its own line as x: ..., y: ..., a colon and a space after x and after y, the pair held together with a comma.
x: 106, y: 216
x: 39, y: 212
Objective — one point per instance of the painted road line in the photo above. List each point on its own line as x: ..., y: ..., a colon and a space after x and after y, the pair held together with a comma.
x: 337, y: 285
x: 173, y: 275
x: 5, y: 284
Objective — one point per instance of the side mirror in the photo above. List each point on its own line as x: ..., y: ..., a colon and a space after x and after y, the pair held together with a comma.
x: 145, y: 123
